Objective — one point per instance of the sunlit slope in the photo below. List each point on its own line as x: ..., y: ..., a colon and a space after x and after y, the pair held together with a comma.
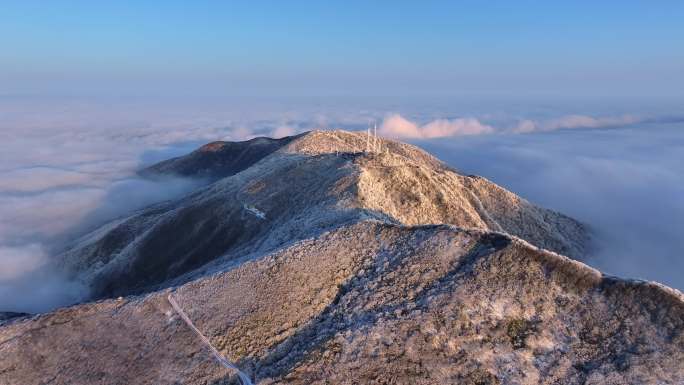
x: 371, y: 302
x: 311, y: 183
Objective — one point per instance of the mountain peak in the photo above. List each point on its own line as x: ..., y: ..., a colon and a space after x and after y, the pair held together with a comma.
x: 305, y: 256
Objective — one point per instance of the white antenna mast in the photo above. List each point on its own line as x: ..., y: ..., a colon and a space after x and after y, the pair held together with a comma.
x: 375, y: 134
x: 367, y: 136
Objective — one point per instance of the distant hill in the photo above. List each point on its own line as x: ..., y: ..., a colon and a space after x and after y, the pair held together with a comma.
x: 218, y: 159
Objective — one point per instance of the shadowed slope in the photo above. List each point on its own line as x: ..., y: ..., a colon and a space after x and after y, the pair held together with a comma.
x: 218, y: 159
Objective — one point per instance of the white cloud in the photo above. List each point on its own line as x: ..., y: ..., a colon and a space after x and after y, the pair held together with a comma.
x: 17, y: 261
x: 396, y: 126
x: 282, y: 131
x: 575, y: 121
x: 45, y: 214
x: 41, y: 178
x: 28, y: 284
x: 626, y: 184
x: 525, y: 126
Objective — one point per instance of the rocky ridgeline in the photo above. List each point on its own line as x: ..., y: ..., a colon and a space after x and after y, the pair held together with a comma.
x: 310, y: 260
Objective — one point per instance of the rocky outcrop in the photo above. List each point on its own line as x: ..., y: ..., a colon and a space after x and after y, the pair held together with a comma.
x: 323, y: 263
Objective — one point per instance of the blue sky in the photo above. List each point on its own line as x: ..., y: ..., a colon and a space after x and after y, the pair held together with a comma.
x: 578, y: 105
x: 578, y: 48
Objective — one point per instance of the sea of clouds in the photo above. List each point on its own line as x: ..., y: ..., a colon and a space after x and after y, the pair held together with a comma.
x: 626, y: 183
x: 69, y: 165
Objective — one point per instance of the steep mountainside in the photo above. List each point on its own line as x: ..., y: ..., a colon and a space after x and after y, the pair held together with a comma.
x: 315, y: 182
x: 371, y: 303
x: 323, y: 263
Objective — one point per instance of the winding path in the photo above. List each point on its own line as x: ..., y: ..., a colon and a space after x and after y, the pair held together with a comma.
x: 244, y: 379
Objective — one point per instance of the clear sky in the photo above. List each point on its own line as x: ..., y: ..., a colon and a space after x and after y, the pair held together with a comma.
x: 612, y: 48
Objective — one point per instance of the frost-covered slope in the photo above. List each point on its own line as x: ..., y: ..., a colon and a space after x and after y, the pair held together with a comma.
x: 371, y: 303
x: 322, y: 263
x: 312, y: 183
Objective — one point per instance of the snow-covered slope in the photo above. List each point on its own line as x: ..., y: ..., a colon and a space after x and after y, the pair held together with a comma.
x: 369, y: 303
x: 312, y: 183
x: 322, y: 263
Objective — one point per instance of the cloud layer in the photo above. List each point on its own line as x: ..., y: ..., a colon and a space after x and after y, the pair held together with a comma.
x: 68, y: 165
x: 399, y: 127
x: 625, y: 183
x: 575, y: 121
x: 396, y: 126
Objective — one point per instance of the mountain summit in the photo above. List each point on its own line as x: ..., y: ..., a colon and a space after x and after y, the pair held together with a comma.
x: 300, y: 186
x: 333, y: 257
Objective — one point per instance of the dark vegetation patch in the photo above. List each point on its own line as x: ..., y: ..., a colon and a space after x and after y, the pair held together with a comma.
x: 518, y: 330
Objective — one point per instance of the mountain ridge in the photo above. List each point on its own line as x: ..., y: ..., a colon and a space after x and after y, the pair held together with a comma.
x: 424, y: 286
x: 323, y: 262
x: 313, y: 181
